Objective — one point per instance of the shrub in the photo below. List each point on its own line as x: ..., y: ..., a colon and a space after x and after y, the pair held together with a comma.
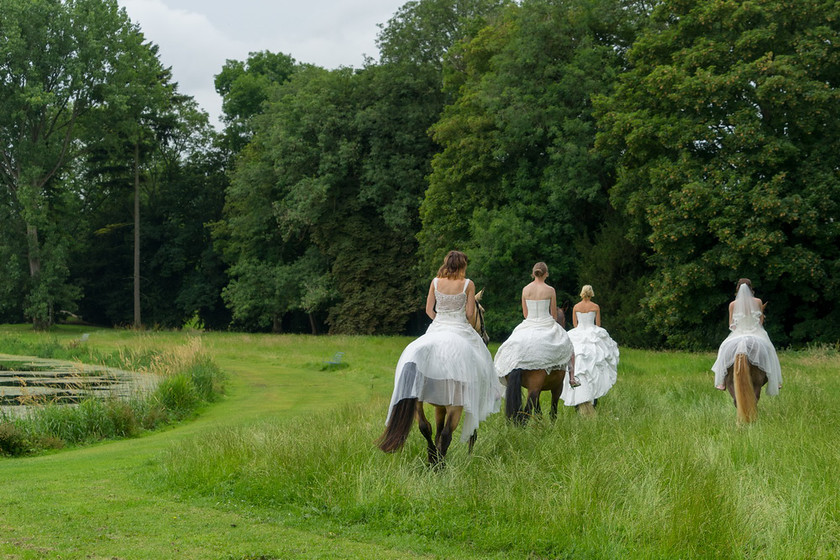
x: 178, y: 394
x: 122, y: 417
x: 13, y: 440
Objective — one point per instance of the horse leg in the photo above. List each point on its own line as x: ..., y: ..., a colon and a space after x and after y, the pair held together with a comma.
x: 426, y: 429
x: 533, y: 380
x: 759, y: 380
x: 452, y: 418
x: 440, y: 420
x: 729, y: 383
x: 473, y: 437
x: 554, y: 383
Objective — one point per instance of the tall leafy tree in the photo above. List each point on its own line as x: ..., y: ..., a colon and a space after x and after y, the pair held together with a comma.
x: 245, y: 86
x: 726, y: 132
x: 58, y: 58
x: 517, y: 180
x: 341, y: 158
x: 181, y: 190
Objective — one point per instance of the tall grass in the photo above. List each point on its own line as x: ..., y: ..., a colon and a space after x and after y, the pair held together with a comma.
x: 662, y: 471
x: 187, y: 377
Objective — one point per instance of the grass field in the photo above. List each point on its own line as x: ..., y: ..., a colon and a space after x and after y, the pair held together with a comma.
x: 284, y: 466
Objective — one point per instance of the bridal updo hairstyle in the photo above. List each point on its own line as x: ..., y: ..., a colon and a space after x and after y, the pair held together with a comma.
x: 540, y: 270
x: 587, y: 291
x: 454, y: 265
x: 744, y: 281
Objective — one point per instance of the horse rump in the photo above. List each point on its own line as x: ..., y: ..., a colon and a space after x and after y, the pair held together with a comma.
x: 396, y: 432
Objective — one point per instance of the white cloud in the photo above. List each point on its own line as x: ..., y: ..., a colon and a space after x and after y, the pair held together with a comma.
x: 196, y: 37
x: 189, y: 43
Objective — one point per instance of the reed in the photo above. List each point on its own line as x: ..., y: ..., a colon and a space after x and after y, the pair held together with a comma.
x: 187, y: 378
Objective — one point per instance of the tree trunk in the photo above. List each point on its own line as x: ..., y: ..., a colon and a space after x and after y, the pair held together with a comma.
x: 312, y: 323
x: 34, y: 251
x: 137, y: 321
x: 277, y: 324
x: 34, y: 255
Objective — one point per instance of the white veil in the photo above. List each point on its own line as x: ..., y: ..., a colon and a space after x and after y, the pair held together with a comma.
x: 748, y: 337
x: 746, y: 315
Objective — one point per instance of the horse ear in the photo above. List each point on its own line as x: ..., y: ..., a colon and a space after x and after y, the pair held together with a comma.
x: 479, y: 294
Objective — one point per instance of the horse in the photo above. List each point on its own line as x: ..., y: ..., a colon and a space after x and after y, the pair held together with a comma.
x: 535, y: 382
x: 477, y: 320
x: 447, y: 417
x: 744, y: 382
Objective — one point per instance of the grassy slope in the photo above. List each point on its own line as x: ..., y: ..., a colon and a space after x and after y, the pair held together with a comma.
x: 100, y: 502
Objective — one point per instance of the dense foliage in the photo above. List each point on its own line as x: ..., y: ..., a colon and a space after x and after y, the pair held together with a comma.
x: 726, y: 131
x: 658, y: 150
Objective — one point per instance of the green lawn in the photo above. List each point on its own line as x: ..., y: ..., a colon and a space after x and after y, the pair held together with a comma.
x: 284, y: 466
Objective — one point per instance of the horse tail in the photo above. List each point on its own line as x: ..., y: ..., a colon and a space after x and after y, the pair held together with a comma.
x: 513, y: 394
x: 744, y: 391
x: 396, y: 432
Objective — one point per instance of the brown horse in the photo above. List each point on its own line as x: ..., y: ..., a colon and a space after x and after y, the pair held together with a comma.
x: 744, y: 382
x: 535, y: 381
x: 447, y: 418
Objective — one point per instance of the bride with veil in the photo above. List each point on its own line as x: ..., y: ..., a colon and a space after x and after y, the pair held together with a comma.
x: 747, y: 337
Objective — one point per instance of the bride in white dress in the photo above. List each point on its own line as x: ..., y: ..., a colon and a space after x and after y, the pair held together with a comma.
x: 746, y: 321
x: 449, y: 366
x: 538, y: 352
x: 596, y: 354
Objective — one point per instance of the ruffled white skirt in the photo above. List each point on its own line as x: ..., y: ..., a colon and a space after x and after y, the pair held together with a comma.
x: 596, y: 365
x: 534, y: 344
x: 759, y: 351
x: 450, y: 366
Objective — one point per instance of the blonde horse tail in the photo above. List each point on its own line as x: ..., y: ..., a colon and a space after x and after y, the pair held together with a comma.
x: 744, y: 392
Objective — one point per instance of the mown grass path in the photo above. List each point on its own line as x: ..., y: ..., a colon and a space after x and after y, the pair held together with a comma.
x: 101, y: 501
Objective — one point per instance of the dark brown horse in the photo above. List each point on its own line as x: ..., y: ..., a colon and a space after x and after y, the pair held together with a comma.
x: 744, y: 382
x: 447, y: 418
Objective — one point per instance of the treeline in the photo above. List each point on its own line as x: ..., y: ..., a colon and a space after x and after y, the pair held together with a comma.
x: 657, y: 150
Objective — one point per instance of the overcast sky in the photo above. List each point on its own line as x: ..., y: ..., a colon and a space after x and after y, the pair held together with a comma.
x: 197, y: 36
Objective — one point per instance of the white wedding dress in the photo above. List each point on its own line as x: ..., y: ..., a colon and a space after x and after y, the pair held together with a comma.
x: 536, y: 343
x: 449, y: 365
x: 596, y: 362
x: 748, y: 337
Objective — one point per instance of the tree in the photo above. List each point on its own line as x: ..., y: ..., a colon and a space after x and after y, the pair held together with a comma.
x: 725, y: 129
x: 182, y: 189
x: 517, y: 180
x: 245, y: 87
x: 341, y: 156
x: 58, y: 59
